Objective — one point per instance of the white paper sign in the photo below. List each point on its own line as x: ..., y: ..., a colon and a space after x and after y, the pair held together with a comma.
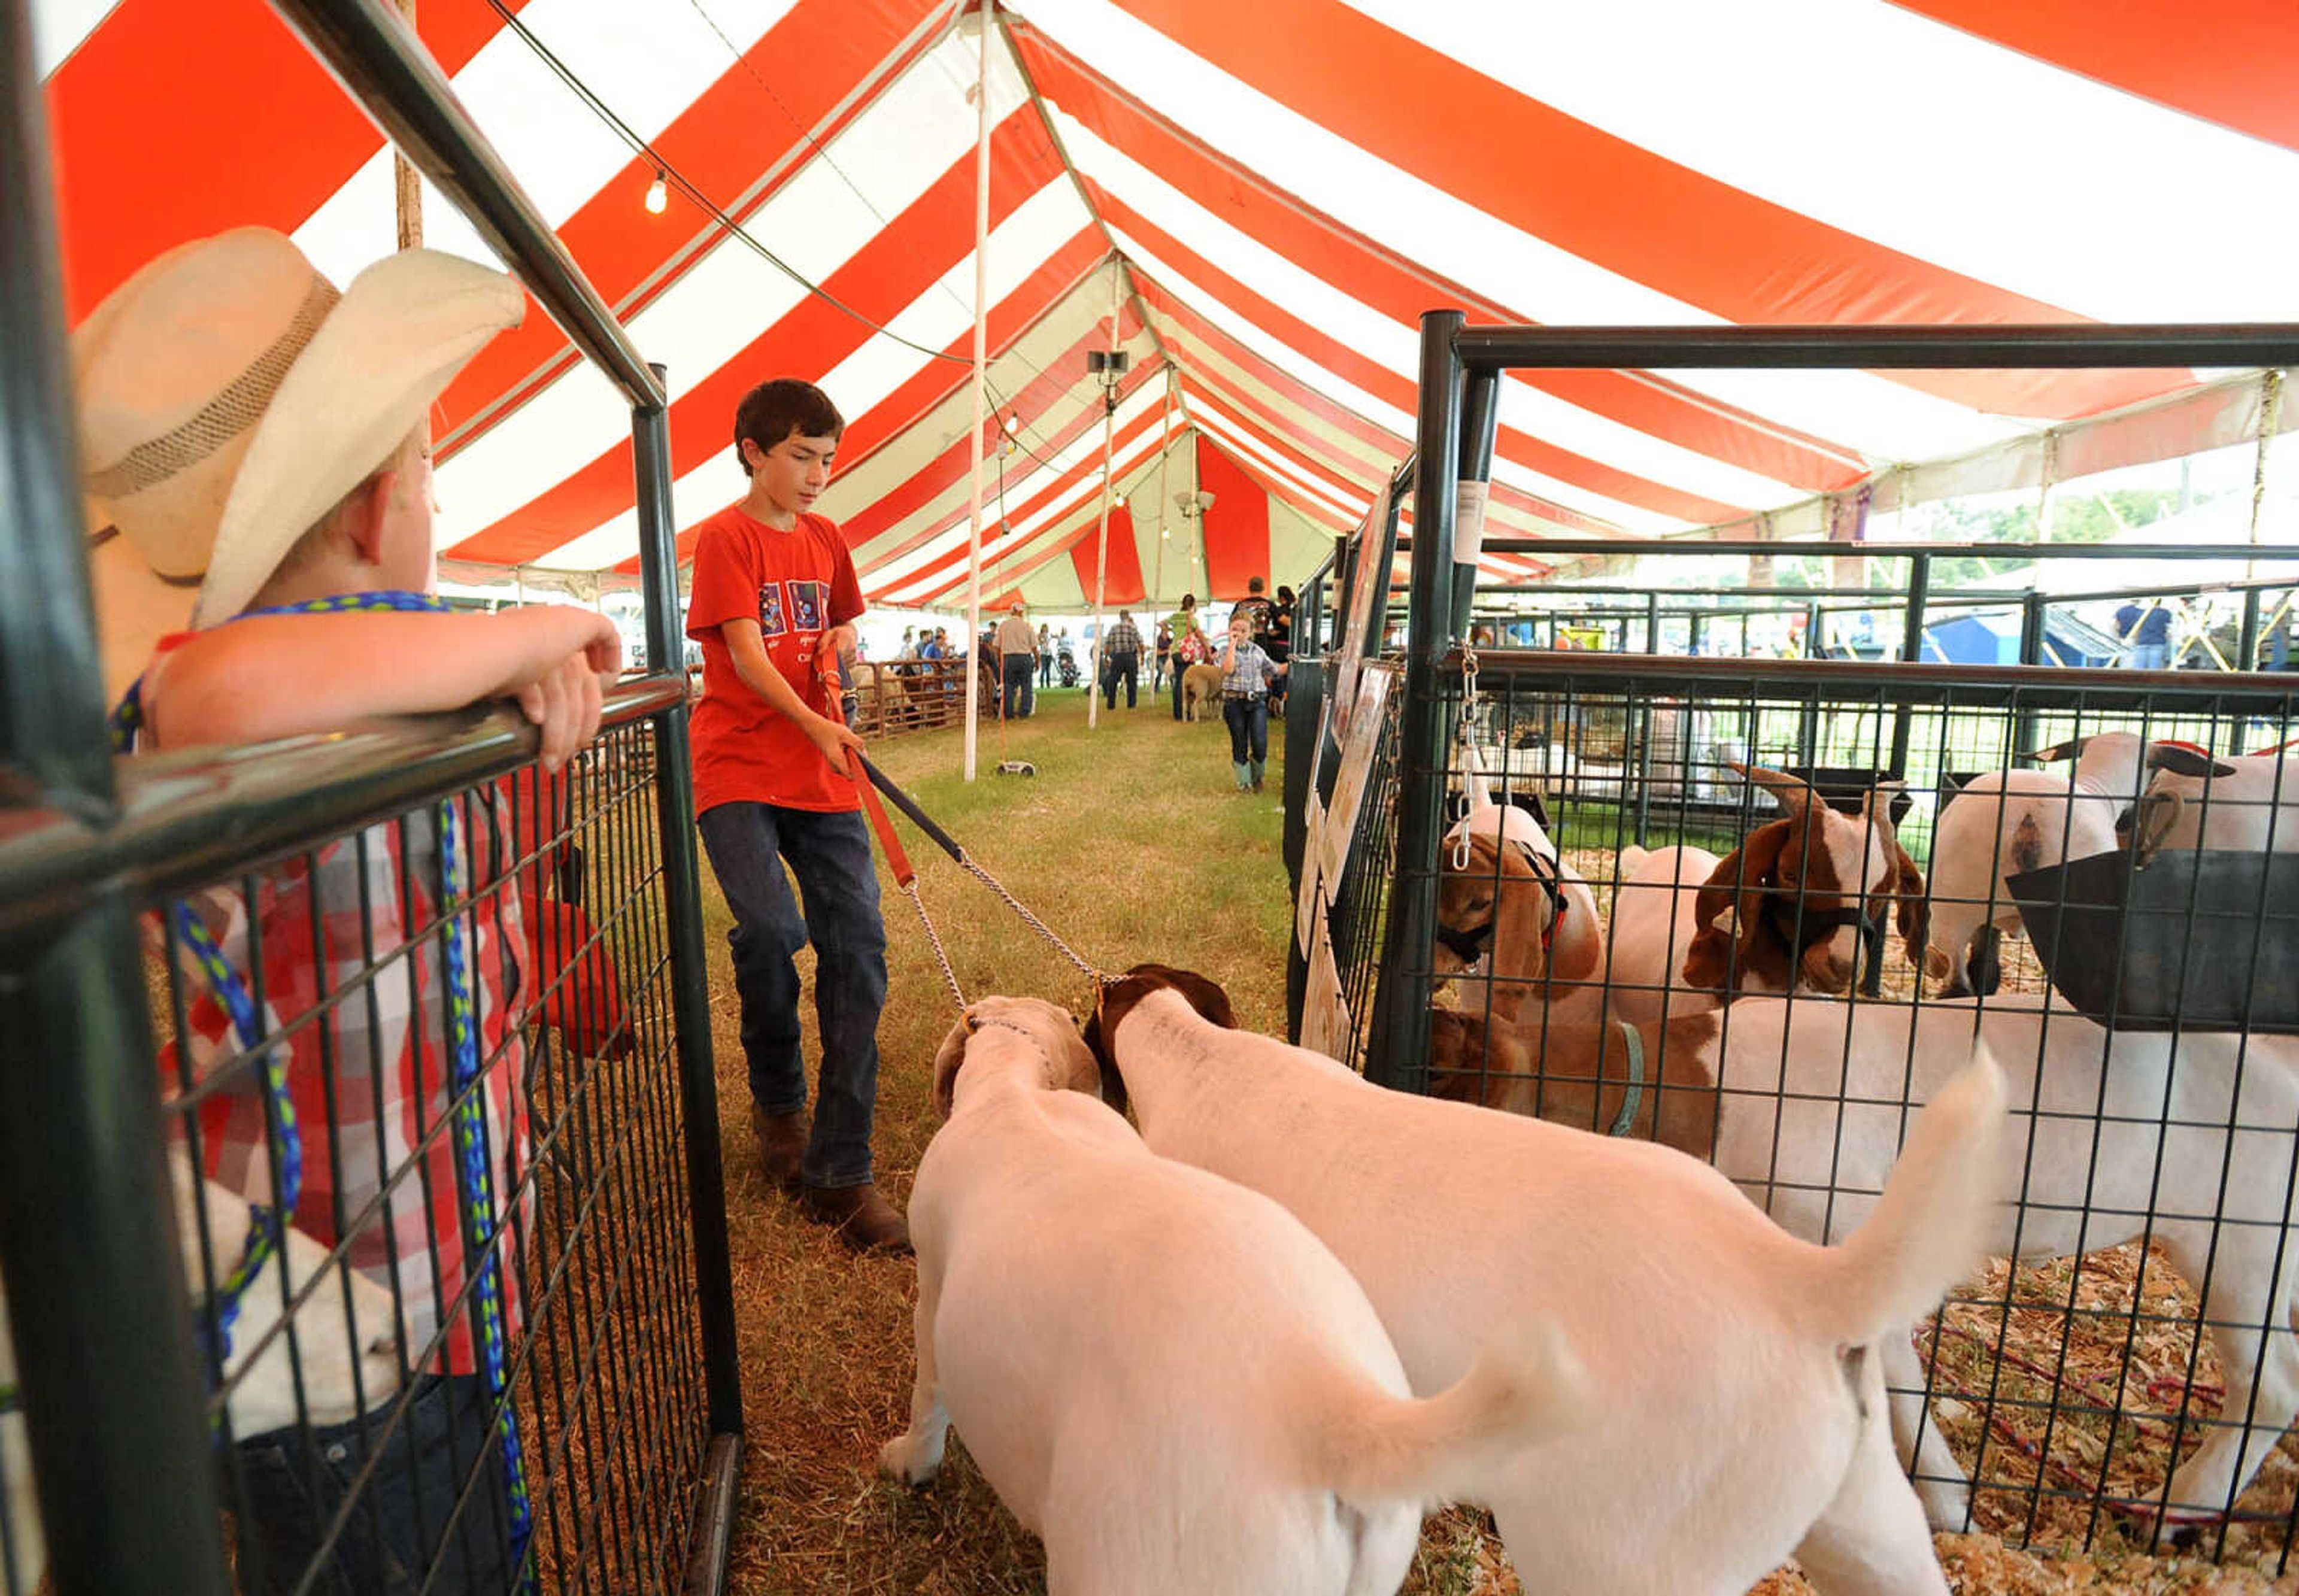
x: 1357, y: 768
x: 1326, y: 1026
x: 1469, y: 521
x: 1306, y: 906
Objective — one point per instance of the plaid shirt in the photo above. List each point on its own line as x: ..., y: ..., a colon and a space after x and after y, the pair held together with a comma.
x: 384, y: 1071
x: 1124, y: 639
x: 1252, y: 673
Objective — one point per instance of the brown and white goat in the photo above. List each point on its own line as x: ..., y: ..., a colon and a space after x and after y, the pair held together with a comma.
x: 1584, y: 1076
x: 1799, y: 889
x: 1528, y: 918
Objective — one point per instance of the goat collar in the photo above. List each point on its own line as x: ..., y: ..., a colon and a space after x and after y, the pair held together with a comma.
x: 1634, y: 1044
x: 1800, y: 924
x: 1469, y: 944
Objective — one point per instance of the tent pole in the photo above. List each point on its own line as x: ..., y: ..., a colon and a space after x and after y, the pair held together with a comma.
x: 1101, y: 550
x: 980, y: 376
x: 1164, y: 504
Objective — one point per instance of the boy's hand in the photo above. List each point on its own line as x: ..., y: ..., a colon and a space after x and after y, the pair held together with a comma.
x: 838, y: 743
x: 566, y: 704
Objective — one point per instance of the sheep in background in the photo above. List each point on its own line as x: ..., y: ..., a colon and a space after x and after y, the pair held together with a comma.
x: 2007, y: 822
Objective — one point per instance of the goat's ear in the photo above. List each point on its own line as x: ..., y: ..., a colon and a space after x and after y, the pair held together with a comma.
x: 2151, y: 822
x: 948, y: 1058
x: 1578, y: 948
x: 1707, y: 962
x: 1113, y: 1085
x: 1904, y: 890
x: 2072, y: 749
x: 2180, y: 759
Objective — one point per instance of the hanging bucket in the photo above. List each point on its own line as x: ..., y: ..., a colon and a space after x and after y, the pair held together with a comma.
x: 2194, y: 942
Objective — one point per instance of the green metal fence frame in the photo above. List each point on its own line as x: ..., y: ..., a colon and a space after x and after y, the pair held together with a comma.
x: 110, y: 1383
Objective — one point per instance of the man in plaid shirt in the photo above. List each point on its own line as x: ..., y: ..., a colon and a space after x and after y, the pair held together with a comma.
x: 1121, y: 655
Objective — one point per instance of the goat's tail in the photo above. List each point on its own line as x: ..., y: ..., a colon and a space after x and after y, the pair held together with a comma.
x: 1932, y: 1220
x: 1526, y: 1387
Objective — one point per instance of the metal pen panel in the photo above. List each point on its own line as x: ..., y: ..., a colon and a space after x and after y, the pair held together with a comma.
x: 87, y: 1241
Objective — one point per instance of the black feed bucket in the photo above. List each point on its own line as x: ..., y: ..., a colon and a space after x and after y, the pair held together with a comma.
x: 2196, y: 940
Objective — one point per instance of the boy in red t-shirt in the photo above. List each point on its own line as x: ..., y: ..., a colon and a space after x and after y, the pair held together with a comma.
x: 773, y: 606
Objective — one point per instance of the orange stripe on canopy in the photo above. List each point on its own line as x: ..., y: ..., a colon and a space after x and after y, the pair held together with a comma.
x: 172, y: 121
x: 1584, y: 190
x: 2229, y: 62
x: 1122, y: 577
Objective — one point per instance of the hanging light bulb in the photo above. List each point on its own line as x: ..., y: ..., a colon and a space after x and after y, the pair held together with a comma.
x: 658, y: 199
x: 1119, y: 500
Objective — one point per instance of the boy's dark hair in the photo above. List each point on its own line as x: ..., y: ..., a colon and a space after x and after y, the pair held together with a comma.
x: 783, y: 408
x: 1253, y: 584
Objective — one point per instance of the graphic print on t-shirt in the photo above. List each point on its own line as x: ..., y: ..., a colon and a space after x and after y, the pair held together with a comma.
x: 770, y: 610
x: 806, y: 606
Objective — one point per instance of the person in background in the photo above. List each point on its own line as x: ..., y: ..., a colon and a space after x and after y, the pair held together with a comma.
x: 1190, y: 646
x: 1120, y: 655
x: 1257, y: 608
x: 1017, y: 647
x: 1165, y: 657
x: 1045, y: 656
x: 1278, y: 641
x: 2148, y: 632
x: 1246, y: 671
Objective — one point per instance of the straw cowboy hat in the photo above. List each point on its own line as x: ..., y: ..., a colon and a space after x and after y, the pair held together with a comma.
x: 230, y: 397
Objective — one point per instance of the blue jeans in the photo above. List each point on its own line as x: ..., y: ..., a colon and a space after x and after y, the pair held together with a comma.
x: 403, y: 1520
x: 1247, y: 720
x: 2149, y: 656
x: 830, y: 856
x: 1127, y: 666
x: 1020, y: 693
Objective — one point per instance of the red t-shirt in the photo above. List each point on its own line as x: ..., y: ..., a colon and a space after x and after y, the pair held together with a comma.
x: 796, y: 584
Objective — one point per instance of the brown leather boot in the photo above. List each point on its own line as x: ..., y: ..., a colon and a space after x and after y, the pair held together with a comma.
x: 865, y: 1221
x: 782, y: 1146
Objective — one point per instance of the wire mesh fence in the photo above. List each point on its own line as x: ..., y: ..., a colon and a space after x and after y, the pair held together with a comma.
x: 428, y: 1158
x: 1809, y: 889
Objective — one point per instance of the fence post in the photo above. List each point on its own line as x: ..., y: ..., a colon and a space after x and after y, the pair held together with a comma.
x: 1399, y: 1052
x: 690, y: 979
x: 101, y: 1322
x: 1480, y: 426
x: 2033, y: 610
x: 1912, y: 649
x: 2246, y: 648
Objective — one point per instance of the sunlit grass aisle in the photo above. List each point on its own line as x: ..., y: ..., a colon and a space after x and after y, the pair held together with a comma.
x: 1129, y: 842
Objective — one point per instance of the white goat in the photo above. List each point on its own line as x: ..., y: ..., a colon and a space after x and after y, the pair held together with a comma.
x: 2005, y: 822
x: 2249, y: 804
x: 1654, y: 920
x: 328, y: 1346
x: 2123, y: 1136
x: 1743, y: 1414
x: 1164, y: 1374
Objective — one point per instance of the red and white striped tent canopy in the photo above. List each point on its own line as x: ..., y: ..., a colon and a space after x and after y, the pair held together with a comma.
x: 1267, y: 192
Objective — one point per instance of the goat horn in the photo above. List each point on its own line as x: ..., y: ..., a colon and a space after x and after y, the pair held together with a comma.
x: 1790, y: 792
x: 2072, y: 749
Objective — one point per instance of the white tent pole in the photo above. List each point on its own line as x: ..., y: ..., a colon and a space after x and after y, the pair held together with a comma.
x: 1101, y: 550
x: 1164, y: 504
x: 981, y: 377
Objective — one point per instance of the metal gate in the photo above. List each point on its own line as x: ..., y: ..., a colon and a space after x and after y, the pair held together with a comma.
x: 596, y: 1254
